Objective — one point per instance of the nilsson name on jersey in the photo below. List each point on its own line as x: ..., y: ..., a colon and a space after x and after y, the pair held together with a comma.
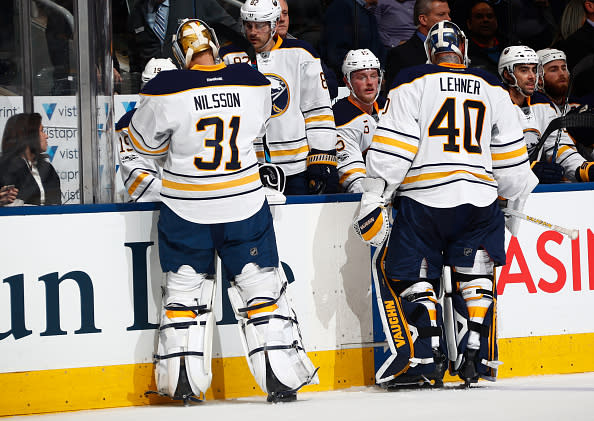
x: 457, y: 84
x: 217, y: 100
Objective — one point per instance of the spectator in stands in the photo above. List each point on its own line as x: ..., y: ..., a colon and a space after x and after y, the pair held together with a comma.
x: 153, y: 22
x: 23, y: 163
x: 283, y: 31
x: 307, y: 17
x: 349, y: 25
x: 426, y: 14
x: 533, y: 22
x: 579, y: 46
x: 395, y: 21
x: 484, y: 48
x: 574, y: 16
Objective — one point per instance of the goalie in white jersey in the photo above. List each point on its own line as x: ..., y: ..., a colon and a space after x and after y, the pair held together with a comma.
x: 448, y: 143
x: 558, y: 157
x: 301, y: 135
x: 203, y: 120
x: 356, y: 116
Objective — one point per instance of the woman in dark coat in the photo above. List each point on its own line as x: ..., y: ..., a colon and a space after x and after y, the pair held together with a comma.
x: 24, y: 164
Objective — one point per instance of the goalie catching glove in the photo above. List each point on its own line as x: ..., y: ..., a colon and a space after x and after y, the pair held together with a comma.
x: 372, y: 224
x: 321, y: 172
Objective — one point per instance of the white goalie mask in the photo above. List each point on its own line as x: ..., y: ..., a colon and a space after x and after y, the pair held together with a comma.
x: 261, y: 11
x: 194, y: 36
x: 154, y: 66
x: 446, y: 37
x: 510, y: 58
x: 362, y: 59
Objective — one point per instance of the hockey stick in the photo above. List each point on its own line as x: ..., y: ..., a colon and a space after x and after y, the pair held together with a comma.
x: 571, y: 233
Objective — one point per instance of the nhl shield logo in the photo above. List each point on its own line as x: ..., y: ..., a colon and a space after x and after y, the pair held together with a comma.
x: 280, y: 94
x: 467, y: 251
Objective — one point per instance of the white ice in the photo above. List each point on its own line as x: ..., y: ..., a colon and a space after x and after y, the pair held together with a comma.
x: 541, y: 398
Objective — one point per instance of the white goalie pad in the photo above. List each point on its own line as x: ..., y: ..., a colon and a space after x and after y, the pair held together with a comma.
x: 269, y: 331
x: 186, y: 330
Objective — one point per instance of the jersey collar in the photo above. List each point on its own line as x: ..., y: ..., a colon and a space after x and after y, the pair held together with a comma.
x: 277, y: 44
x: 453, y: 65
x: 375, y: 106
x: 209, y: 68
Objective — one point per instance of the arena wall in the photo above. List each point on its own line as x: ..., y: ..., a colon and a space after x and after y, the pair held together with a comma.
x: 80, y: 295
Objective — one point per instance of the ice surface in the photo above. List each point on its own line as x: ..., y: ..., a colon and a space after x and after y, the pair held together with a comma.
x: 542, y: 398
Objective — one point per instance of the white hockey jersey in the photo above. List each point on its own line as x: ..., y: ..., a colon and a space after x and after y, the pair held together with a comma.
x: 204, y: 121
x: 301, y: 114
x: 141, y: 176
x: 355, y: 129
x: 535, y: 118
x: 449, y: 135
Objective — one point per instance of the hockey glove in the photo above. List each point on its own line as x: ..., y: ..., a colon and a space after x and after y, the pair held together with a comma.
x: 321, y: 173
x: 272, y: 176
x: 585, y: 172
x: 548, y: 172
x: 372, y: 224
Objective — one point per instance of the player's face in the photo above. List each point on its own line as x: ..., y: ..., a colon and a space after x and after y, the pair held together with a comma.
x: 257, y: 33
x: 438, y: 11
x: 365, y: 84
x: 556, y: 78
x: 283, y: 24
x: 482, y: 21
x: 526, y: 77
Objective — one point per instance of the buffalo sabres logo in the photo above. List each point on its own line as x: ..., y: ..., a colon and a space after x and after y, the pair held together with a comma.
x: 280, y: 94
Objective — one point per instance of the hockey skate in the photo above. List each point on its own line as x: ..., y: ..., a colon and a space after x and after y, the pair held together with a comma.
x: 183, y: 392
x: 467, y: 371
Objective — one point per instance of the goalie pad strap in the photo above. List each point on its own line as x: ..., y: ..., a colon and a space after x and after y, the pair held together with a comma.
x: 264, y: 319
x: 480, y: 328
x: 181, y: 307
x: 429, y: 331
x: 265, y: 304
x: 178, y: 354
x: 180, y: 325
x: 468, y: 277
x: 416, y: 295
x: 294, y: 345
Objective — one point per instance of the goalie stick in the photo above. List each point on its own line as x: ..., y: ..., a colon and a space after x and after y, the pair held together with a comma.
x: 571, y: 233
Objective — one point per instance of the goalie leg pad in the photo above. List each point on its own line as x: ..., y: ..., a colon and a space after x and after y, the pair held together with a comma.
x: 269, y: 331
x: 475, y: 311
x: 185, y: 334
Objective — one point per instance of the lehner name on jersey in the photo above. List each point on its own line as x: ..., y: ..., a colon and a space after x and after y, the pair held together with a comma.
x: 456, y: 84
x: 217, y: 100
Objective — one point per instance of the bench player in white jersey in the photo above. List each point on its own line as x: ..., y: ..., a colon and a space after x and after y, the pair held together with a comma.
x: 448, y: 142
x: 557, y: 160
x: 356, y: 116
x: 141, y: 177
x: 301, y: 135
x: 203, y: 120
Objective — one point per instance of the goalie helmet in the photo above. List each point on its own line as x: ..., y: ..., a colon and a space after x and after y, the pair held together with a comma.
x: 154, y: 66
x: 446, y: 37
x: 194, y: 36
x: 362, y: 59
x: 261, y: 11
x: 510, y: 58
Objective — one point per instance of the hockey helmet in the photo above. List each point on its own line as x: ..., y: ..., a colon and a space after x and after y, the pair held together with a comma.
x: 512, y: 56
x: 446, y: 37
x: 361, y: 60
x: 154, y: 66
x: 261, y: 11
x: 194, y: 36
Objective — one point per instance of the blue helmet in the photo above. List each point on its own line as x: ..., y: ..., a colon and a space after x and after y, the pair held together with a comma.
x: 446, y: 37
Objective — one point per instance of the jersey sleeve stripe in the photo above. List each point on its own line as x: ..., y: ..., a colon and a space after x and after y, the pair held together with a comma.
x: 432, y: 186
x: 285, y: 152
x: 509, y: 155
x: 136, y: 183
x: 503, y: 145
x: 140, y: 146
x: 348, y: 173
x: 444, y: 174
x: 396, y: 143
x: 317, y: 109
x: 319, y: 118
x: 397, y: 132
x: 211, y: 186
x: 517, y: 164
x: 390, y: 153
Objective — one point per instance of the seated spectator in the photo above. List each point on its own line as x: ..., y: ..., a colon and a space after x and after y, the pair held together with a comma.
x: 572, y: 19
x: 282, y: 30
x: 579, y: 46
x: 24, y: 164
x: 426, y: 14
x: 534, y: 23
x: 349, y: 25
x: 356, y: 116
x: 395, y: 21
x: 484, y: 47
